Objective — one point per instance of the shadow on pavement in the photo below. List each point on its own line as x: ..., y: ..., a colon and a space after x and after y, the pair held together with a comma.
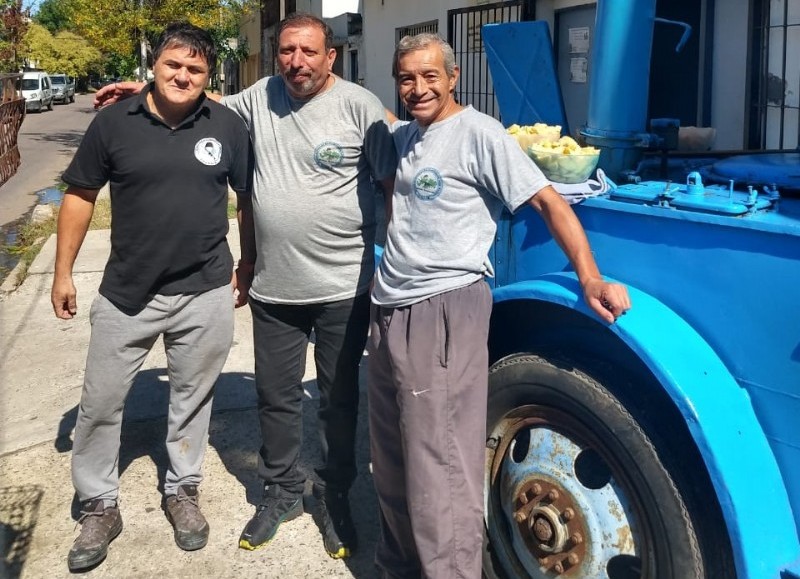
x: 19, y: 513
x: 234, y: 434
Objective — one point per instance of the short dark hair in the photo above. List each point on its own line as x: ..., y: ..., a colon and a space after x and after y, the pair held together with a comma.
x: 302, y: 20
x: 183, y: 34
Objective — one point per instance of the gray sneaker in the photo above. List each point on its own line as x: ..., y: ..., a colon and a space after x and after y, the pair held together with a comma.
x: 99, y: 526
x: 183, y: 511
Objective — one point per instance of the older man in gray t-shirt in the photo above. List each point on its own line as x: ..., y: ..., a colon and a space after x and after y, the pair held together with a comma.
x: 428, y: 358
x: 320, y: 143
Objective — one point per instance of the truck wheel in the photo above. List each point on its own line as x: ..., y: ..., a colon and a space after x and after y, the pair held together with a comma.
x: 574, y: 484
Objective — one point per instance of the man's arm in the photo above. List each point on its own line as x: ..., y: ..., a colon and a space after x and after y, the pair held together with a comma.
x: 247, y: 242
x: 119, y: 91
x: 388, y: 190
x: 73, y: 222
x: 608, y: 300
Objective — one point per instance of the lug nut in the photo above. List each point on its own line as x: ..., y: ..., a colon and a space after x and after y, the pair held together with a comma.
x: 523, y: 498
x: 544, y: 561
x: 558, y: 568
x: 520, y: 516
x: 553, y: 495
x: 573, y: 559
x: 568, y: 514
x: 536, y: 488
x: 576, y: 538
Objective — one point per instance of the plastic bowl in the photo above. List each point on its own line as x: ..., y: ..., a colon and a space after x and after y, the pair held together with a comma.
x: 561, y: 168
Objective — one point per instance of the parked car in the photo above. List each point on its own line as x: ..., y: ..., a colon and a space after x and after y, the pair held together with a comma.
x: 63, y: 88
x: 37, y: 90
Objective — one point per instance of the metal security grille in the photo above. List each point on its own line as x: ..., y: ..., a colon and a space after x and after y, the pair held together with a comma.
x: 775, y: 86
x: 464, y: 35
x: 431, y: 27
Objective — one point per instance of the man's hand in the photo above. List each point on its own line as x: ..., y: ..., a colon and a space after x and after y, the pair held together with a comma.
x: 63, y: 297
x: 608, y: 300
x: 118, y: 91
x: 243, y: 279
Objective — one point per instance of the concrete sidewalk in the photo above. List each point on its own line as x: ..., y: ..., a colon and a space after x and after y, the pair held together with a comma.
x: 42, y: 360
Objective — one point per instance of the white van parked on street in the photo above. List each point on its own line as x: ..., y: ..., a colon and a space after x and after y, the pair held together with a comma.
x: 37, y: 90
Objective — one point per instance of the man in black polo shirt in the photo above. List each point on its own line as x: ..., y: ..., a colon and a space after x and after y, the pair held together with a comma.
x: 169, y: 155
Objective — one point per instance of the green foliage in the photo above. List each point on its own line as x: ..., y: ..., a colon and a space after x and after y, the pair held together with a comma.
x: 119, y: 26
x: 66, y: 52
x: 53, y: 15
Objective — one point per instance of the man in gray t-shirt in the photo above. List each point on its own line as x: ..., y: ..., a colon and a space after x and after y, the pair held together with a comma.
x: 321, y: 143
x: 428, y: 356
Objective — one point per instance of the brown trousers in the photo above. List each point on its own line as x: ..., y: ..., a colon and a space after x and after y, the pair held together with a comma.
x: 428, y: 372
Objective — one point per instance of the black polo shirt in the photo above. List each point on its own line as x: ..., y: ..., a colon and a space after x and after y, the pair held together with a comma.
x: 169, y: 196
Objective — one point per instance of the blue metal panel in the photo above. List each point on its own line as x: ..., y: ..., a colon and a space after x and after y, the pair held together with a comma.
x: 718, y: 413
x: 525, y: 81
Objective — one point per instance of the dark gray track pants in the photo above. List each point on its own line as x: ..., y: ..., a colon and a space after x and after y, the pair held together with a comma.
x: 428, y: 372
x: 198, y: 332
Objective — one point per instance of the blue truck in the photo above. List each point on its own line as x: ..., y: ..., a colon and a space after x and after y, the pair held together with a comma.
x: 666, y: 445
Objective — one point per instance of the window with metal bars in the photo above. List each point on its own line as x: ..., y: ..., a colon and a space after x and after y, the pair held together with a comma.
x: 775, y: 87
x: 464, y: 35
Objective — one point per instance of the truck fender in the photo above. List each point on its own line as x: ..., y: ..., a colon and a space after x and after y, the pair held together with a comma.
x: 717, y: 410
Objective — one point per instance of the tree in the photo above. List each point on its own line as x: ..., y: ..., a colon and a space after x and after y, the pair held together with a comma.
x: 65, y: 52
x: 53, y: 15
x: 125, y: 26
x: 14, y: 25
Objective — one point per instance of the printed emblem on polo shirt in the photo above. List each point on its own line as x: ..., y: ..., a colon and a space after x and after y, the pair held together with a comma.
x: 328, y: 155
x: 208, y: 151
x: 428, y: 184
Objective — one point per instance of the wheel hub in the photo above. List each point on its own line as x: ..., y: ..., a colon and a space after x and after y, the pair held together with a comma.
x: 547, y: 521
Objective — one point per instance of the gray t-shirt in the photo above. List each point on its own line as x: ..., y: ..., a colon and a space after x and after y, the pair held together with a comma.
x: 452, y: 181
x: 313, y: 201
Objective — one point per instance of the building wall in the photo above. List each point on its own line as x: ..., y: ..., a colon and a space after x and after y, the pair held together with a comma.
x: 729, y: 85
x: 728, y: 106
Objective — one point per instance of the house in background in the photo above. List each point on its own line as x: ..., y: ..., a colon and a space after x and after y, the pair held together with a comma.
x: 739, y: 71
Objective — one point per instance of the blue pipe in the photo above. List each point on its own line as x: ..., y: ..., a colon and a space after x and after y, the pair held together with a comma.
x: 619, y: 82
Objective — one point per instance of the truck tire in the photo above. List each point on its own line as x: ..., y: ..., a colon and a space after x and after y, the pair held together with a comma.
x: 574, y: 484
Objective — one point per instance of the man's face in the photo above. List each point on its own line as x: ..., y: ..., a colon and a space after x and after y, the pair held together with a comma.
x: 303, y: 61
x: 180, y: 78
x: 423, y: 85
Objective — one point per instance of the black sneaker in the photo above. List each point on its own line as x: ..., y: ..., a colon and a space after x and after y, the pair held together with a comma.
x: 338, y: 531
x: 275, y: 508
x: 183, y: 511
x: 99, y: 526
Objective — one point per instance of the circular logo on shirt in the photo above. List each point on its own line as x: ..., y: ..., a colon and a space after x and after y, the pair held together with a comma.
x: 328, y: 154
x: 428, y: 184
x: 208, y: 151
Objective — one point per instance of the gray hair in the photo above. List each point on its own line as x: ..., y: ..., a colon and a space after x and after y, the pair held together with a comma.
x: 420, y: 41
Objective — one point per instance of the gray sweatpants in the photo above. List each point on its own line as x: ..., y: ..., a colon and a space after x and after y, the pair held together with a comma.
x: 428, y: 372
x: 198, y: 332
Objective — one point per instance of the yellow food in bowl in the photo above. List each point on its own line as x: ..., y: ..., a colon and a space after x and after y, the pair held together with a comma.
x: 564, y: 161
x: 527, y: 135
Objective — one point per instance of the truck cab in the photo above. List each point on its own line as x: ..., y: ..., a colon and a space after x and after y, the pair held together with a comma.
x: 664, y: 445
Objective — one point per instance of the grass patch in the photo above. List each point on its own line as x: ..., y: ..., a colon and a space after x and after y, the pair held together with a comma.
x: 32, y: 236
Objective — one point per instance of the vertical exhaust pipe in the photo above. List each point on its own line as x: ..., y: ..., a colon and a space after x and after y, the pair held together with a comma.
x: 619, y: 82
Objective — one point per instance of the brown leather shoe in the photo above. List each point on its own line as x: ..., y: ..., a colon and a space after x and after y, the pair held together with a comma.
x: 183, y: 511
x: 99, y: 526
